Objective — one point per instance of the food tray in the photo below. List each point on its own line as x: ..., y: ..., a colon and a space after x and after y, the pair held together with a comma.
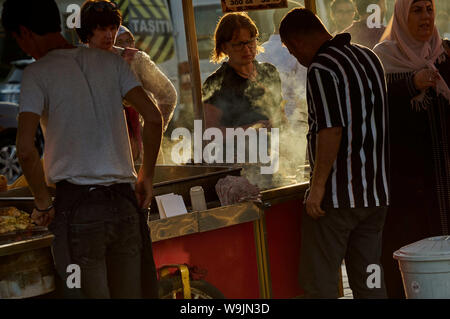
x: 25, y: 240
x: 19, y: 240
x: 24, y: 234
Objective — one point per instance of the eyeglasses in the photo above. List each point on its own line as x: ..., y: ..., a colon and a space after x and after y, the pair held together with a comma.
x: 251, y: 44
x: 100, y: 6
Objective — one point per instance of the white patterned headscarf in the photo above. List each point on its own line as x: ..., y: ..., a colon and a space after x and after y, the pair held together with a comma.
x: 123, y: 30
x: 400, y: 52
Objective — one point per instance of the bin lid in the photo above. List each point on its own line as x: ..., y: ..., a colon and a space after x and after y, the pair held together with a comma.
x: 428, y: 249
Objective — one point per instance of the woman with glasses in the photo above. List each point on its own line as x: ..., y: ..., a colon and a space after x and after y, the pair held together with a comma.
x: 242, y: 92
x: 100, y: 22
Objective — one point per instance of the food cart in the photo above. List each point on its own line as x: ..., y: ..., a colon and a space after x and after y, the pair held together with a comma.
x: 245, y: 250
x: 26, y: 263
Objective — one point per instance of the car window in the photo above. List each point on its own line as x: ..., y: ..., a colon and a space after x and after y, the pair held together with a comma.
x: 16, y: 76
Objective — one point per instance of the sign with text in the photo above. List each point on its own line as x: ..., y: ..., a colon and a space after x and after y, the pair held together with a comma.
x: 248, y: 5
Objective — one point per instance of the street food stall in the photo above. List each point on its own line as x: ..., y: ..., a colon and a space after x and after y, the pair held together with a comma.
x: 248, y: 249
x: 244, y: 250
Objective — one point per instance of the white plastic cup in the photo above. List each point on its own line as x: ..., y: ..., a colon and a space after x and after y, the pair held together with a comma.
x: 198, y: 201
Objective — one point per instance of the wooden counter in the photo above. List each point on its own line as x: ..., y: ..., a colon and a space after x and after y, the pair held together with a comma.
x: 203, y: 221
x: 224, y: 216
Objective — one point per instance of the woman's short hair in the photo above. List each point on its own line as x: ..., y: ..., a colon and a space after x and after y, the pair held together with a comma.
x: 226, y: 28
x: 97, y: 13
x: 300, y: 21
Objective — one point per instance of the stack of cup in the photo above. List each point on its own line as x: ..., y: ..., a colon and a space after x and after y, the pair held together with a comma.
x: 198, y: 201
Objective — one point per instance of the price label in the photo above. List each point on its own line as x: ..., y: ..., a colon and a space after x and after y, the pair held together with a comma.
x: 248, y: 5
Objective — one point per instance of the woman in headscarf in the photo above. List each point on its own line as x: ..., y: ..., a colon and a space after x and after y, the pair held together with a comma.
x: 125, y: 39
x: 418, y: 74
x: 100, y: 23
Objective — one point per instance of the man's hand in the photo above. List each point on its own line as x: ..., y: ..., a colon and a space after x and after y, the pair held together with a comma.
x: 42, y: 218
x: 327, y: 148
x: 144, y: 190
x: 314, y: 201
x: 32, y: 167
x: 128, y: 54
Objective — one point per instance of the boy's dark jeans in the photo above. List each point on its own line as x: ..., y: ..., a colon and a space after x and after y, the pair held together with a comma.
x: 103, y: 237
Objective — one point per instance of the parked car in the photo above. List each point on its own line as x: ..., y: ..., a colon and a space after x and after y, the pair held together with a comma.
x: 9, y: 164
x: 9, y: 111
x: 10, y: 88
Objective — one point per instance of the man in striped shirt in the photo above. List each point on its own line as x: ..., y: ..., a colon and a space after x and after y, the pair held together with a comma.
x: 347, y: 200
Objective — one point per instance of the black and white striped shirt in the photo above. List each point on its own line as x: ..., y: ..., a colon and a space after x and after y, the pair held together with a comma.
x: 346, y: 88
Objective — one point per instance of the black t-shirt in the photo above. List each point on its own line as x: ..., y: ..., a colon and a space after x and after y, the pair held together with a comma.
x: 243, y: 101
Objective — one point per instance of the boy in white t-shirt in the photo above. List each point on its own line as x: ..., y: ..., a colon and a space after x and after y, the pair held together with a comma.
x: 76, y: 94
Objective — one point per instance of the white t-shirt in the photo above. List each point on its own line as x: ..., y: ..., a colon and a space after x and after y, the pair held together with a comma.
x: 78, y: 93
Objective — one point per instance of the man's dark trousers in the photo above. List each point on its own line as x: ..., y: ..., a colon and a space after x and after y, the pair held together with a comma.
x: 353, y: 234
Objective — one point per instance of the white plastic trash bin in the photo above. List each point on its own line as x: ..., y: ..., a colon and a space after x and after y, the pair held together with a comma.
x: 425, y: 268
